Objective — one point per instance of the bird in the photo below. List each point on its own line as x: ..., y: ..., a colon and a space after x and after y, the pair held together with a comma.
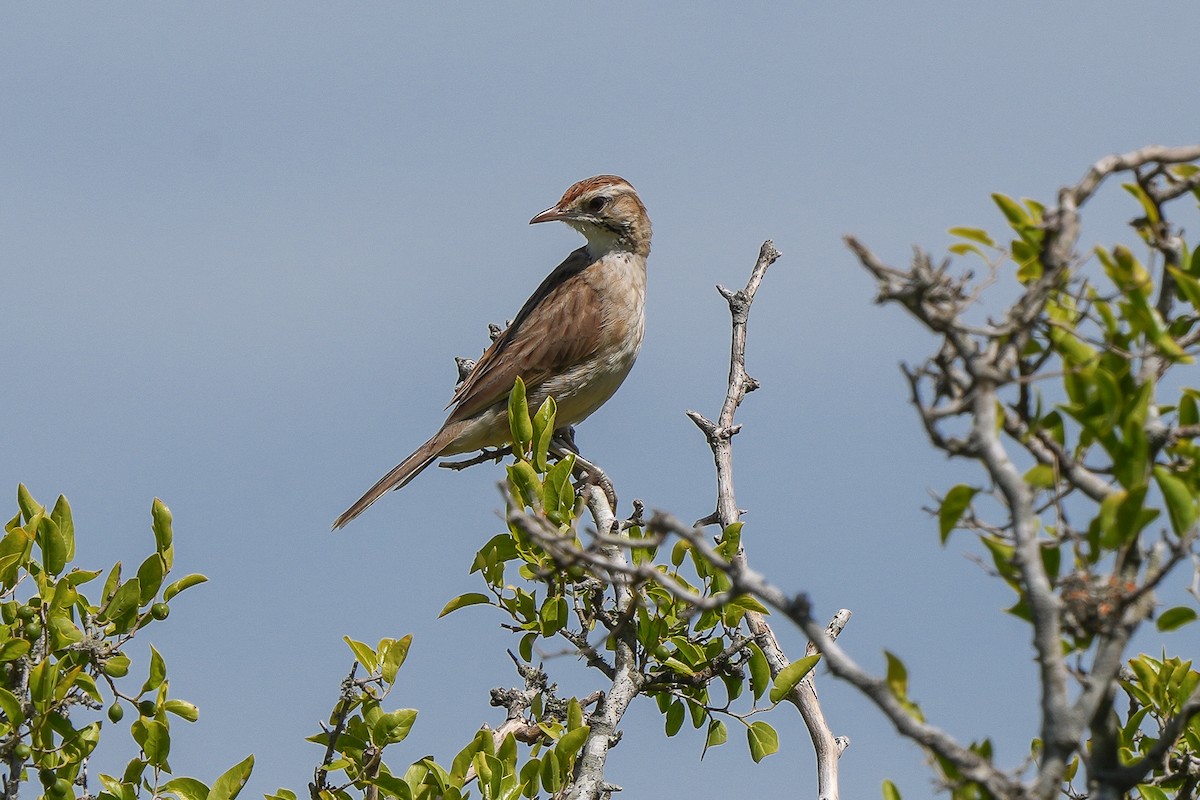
x: 575, y: 339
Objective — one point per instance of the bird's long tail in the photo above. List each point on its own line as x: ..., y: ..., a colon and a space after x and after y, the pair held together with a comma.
x: 404, y: 472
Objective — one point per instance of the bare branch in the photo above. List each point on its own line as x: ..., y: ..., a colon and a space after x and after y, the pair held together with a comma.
x: 588, y: 782
x: 966, y: 376
x: 344, y: 706
x: 827, y: 747
x: 1087, y: 186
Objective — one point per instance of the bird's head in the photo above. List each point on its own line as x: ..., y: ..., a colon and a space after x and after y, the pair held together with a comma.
x: 607, y: 211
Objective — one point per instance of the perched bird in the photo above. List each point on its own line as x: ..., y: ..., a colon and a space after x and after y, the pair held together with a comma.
x: 576, y: 338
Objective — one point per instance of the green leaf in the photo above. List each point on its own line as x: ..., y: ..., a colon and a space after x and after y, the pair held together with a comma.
x: 1040, y: 476
x: 186, y: 582
x: 1028, y: 260
x: 158, y: 672
x: 463, y: 761
x: 679, y: 666
x: 543, y: 432
x: 574, y: 714
x: 1175, y: 617
x: 14, y: 649
x: 791, y: 675
x: 679, y: 552
x: 393, y: 727
x: 464, y: 600
x: 1011, y: 210
x: 890, y: 792
x: 956, y: 501
x: 1051, y: 558
x: 1147, y: 204
x: 189, y: 789
x: 897, y: 676
x: 962, y: 248
x: 1106, y: 519
x: 750, y: 603
x: 30, y: 508
x: 558, y: 495
x: 117, y: 665
x: 394, y: 656
x: 182, y: 709
x: 14, y: 550
x: 519, y: 422
x: 78, y: 577
x: 163, y: 537
x: 133, y: 773
x: 124, y: 603
x: 529, y: 777
x: 730, y: 542
x: 1187, y: 284
x: 155, y: 741
x: 363, y: 654
x: 675, y: 713
x: 54, y: 546
x: 525, y: 646
x: 229, y: 784
x: 11, y: 707
x: 760, y: 670
x: 111, y: 582
x: 762, y: 739
x: 551, y: 773
x: 525, y: 484
x: 150, y: 577
x: 507, y: 751
x: 1132, y: 516
x: 569, y: 743
x: 553, y: 615
x: 390, y: 784
x: 1189, y: 410
x: 974, y: 234
x: 42, y: 679
x: 161, y: 523
x: 718, y: 734
x: 1181, y: 504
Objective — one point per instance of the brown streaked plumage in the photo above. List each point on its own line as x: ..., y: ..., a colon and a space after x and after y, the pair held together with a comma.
x: 575, y: 338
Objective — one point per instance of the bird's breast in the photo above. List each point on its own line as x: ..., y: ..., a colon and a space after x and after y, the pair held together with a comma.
x: 619, y: 283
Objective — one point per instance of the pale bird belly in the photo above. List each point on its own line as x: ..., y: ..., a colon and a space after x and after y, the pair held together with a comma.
x: 584, y: 388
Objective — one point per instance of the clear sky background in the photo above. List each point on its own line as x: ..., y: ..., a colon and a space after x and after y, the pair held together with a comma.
x: 241, y: 243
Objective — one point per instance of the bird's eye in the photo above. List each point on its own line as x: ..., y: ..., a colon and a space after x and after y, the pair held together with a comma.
x: 597, y: 204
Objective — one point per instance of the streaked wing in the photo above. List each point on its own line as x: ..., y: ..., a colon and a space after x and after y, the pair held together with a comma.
x: 558, y: 326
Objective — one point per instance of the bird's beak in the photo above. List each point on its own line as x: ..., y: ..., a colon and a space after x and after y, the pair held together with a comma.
x: 549, y: 215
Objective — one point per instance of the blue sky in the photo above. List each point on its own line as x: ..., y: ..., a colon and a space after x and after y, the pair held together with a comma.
x: 242, y: 243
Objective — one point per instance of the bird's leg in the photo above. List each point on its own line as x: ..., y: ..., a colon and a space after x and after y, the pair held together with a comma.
x: 564, y: 438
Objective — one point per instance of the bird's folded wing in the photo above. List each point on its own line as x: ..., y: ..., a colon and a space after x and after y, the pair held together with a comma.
x: 558, y: 327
